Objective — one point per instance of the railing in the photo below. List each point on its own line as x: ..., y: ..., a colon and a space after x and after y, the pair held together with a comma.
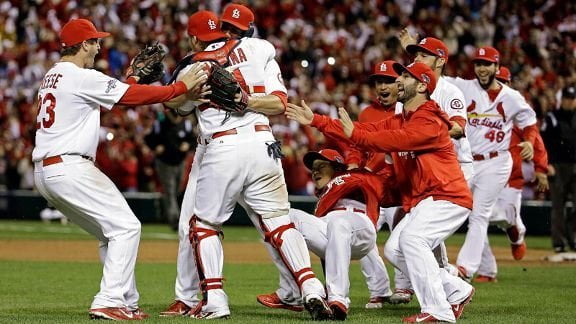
x: 26, y: 204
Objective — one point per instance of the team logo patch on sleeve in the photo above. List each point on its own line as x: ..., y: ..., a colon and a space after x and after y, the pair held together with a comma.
x: 456, y: 104
x: 111, y: 85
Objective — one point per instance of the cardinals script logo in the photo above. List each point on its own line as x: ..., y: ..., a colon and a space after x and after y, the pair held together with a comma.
x: 236, y: 13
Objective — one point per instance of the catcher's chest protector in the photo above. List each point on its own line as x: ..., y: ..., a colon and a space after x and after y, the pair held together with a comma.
x: 221, y: 56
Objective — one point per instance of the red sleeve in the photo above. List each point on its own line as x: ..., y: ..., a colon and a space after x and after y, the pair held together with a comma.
x: 461, y: 121
x: 529, y: 133
x: 142, y: 94
x: 540, y: 155
x: 419, y: 133
x: 332, y: 127
x: 131, y: 80
x: 283, y: 97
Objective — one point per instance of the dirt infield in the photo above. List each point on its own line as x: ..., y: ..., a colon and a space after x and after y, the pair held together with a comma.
x: 165, y: 252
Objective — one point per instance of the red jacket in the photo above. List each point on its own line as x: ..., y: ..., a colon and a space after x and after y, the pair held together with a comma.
x: 374, y: 161
x: 360, y: 185
x: 540, y: 158
x: 424, y: 163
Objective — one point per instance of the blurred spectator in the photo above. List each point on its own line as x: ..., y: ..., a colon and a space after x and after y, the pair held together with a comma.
x: 171, y: 138
x: 325, y: 49
x: 559, y: 134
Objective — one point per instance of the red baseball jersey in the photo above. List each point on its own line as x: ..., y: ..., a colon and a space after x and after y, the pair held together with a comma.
x: 359, y: 185
x: 425, y: 164
x: 540, y: 158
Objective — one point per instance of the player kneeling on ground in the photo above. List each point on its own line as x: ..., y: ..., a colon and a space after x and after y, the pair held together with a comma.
x: 344, y: 227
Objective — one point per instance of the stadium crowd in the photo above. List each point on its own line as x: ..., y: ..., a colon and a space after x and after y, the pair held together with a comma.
x: 325, y: 48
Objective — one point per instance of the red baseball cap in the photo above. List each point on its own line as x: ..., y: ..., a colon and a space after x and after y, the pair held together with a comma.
x: 504, y: 74
x: 326, y: 155
x: 76, y: 31
x: 238, y: 15
x: 385, y: 69
x: 429, y: 45
x: 488, y: 54
x: 420, y: 72
x: 205, y: 25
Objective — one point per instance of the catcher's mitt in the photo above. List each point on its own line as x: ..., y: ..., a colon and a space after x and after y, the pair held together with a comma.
x: 225, y: 88
x: 147, y: 64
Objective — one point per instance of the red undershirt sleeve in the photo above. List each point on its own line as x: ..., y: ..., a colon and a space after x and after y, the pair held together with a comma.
x: 141, y: 94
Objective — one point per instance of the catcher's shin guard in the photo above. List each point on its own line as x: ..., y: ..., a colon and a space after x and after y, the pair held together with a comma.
x: 209, y: 262
x: 280, y: 233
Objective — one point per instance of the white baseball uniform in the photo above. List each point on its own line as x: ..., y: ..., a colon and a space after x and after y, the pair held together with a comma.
x: 489, y: 132
x: 68, y: 124
x: 429, y: 223
x: 236, y: 166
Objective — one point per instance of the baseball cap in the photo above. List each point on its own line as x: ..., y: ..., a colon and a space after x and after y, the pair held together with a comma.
x: 205, y: 25
x: 76, y: 31
x: 237, y: 15
x: 326, y: 155
x: 429, y: 45
x: 385, y: 69
x: 569, y: 92
x: 489, y: 54
x: 420, y: 72
x: 503, y: 74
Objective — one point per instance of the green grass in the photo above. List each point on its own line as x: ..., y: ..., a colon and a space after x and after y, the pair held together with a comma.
x: 61, y: 292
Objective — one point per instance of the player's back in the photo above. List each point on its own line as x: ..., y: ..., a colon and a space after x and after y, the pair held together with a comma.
x: 252, y: 62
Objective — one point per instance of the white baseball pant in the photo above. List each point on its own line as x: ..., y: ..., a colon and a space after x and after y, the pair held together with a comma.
x: 337, y: 238
x: 506, y: 214
x: 90, y: 199
x: 238, y: 167
x: 187, y: 284
x: 410, y: 246
x: 491, y: 175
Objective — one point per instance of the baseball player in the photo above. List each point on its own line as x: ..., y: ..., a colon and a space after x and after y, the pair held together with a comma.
x: 67, y: 127
x: 434, y: 53
x: 434, y: 189
x: 237, y: 21
x: 493, y: 109
x: 344, y: 225
x: 506, y: 213
x: 258, y: 181
x: 373, y: 268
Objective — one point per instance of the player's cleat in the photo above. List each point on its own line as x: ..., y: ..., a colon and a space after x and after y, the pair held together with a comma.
x: 339, y: 311
x: 113, y: 313
x: 518, y: 250
x: 140, y: 313
x: 459, y: 308
x: 422, y: 317
x: 221, y: 314
x: 317, y: 307
x: 401, y: 296
x: 177, y: 308
x: 483, y: 279
x: 463, y: 274
x: 377, y: 302
x: 273, y: 301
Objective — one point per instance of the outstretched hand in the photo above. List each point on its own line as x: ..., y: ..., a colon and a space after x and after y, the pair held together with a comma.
x: 347, y: 124
x: 406, y: 39
x: 302, y: 114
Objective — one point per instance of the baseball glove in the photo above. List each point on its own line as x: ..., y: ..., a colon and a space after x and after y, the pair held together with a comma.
x: 225, y: 88
x: 147, y: 64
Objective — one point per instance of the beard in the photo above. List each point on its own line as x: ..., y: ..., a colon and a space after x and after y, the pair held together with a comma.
x: 488, y: 83
x: 407, y: 94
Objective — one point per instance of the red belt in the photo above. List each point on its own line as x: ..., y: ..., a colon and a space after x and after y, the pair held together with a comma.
x: 58, y: 159
x: 233, y: 131
x: 480, y: 157
x: 356, y: 210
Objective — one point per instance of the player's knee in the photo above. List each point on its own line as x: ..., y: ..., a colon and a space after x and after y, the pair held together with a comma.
x: 411, y: 240
x: 391, y: 251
